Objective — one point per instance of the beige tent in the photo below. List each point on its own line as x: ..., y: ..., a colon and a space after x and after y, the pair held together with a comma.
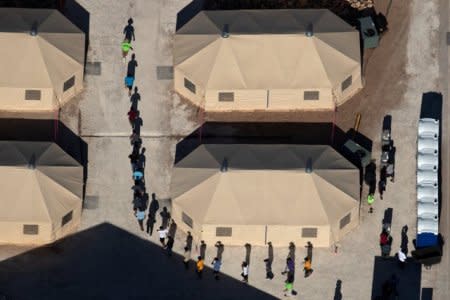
x: 41, y: 188
x: 266, y: 60
x: 40, y: 72
x: 243, y: 193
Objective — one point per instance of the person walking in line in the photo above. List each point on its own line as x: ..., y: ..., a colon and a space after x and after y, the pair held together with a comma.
x: 128, y: 31
x: 140, y: 216
x: 129, y: 81
x: 138, y: 174
x: 126, y: 47
x: 220, y: 248
x: 187, y: 257
x: 169, y: 245
x: 269, y: 273
x: 135, y: 98
x: 307, y: 267
x: 199, y: 267
x: 132, y: 65
x: 189, y: 240
x: 382, y: 182
x: 165, y: 217
x: 289, y: 269
x: 288, y: 288
x: 135, y: 139
x: 244, y: 273
x: 134, y: 158
x: 162, y: 235
x: 150, y: 223
x: 292, y: 251
x: 132, y: 115
x: 309, y: 250
x: 216, y: 267
x: 401, y: 256
x: 370, y: 201
x: 141, y: 159
x: 202, y: 249
x: 268, y: 261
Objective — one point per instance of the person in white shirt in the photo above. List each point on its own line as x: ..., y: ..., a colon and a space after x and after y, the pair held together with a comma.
x: 401, y: 258
x: 162, y: 235
x: 244, y: 273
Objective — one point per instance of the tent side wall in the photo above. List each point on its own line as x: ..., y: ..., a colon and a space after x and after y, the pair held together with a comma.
x: 236, y: 100
x: 13, y: 233
x: 179, y: 86
x: 352, y: 224
x: 281, y: 235
x: 60, y: 231
x: 75, y: 89
x: 278, y: 99
x: 240, y: 234
x: 14, y: 99
x: 177, y: 216
x: 355, y: 86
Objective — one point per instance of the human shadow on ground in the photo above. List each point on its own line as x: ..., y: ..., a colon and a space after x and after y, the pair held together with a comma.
x: 48, y: 131
x: 338, y: 290
x: 106, y: 262
x: 135, y: 98
x: 389, y: 279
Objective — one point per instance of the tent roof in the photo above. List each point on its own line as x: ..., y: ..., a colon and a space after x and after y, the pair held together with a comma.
x: 267, y: 49
x: 39, y: 182
x: 42, y: 61
x: 265, y: 184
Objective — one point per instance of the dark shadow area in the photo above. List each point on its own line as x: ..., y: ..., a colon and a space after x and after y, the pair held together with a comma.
x: 265, y: 133
x: 188, y: 12
x: 80, y: 17
x: 387, y: 276
x: 427, y: 294
x: 47, y: 130
x: 106, y: 262
x: 55, y: 4
x: 338, y: 290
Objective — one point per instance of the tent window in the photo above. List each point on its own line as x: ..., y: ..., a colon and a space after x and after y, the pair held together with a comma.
x: 189, y: 85
x: 224, y: 231
x: 309, y: 232
x: 69, y: 83
x: 311, y: 95
x: 67, y: 218
x: 32, y: 95
x: 187, y: 220
x: 31, y: 229
x: 344, y: 221
x: 346, y: 83
x: 226, y: 97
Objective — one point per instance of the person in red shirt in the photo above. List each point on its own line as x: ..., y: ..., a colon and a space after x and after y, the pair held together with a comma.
x: 132, y: 115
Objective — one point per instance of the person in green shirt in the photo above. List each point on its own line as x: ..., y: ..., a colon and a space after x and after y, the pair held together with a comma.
x: 126, y: 46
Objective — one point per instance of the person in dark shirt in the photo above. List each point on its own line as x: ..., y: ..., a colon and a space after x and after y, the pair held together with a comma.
x: 129, y: 30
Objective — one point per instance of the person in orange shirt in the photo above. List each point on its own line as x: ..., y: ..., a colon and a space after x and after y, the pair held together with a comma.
x: 307, y: 267
x: 199, y: 267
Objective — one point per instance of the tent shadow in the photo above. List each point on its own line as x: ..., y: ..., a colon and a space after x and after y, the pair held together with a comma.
x: 47, y: 130
x: 79, y: 16
x: 407, y: 280
x: 188, y: 12
x: 106, y: 262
